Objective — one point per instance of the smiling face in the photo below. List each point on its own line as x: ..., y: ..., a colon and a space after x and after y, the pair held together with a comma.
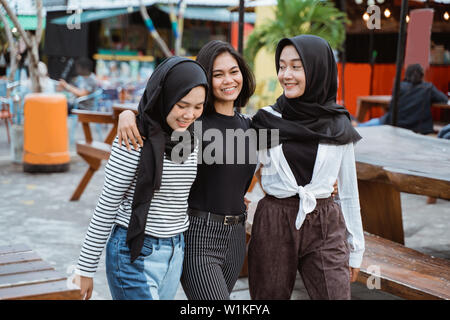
x: 187, y: 110
x: 226, y: 78
x: 291, y: 74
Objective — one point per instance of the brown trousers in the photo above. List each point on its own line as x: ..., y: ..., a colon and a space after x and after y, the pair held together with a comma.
x: 319, y: 251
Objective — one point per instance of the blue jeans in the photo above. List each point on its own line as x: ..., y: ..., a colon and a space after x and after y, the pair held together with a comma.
x: 371, y: 123
x: 445, y: 132
x: 154, y: 275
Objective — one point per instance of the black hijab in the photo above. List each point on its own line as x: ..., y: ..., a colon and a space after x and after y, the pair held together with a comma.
x: 170, y: 82
x: 313, y: 117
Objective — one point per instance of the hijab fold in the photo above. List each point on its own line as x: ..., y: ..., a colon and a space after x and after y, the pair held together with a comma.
x: 170, y: 81
x: 313, y: 117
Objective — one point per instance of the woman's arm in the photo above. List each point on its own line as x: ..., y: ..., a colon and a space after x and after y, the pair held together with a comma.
x: 127, y: 130
x: 72, y: 89
x: 437, y: 95
x: 349, y: 198
x: 119, y: 175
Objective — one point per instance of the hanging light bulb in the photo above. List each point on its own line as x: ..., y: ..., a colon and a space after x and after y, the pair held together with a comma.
x: 366, y: 17
x: 370, y: 2
x: 358, y: 1
x: 407, y: 19
x: 387, y: 13
x: 446, y: 16
x: 380, y: 1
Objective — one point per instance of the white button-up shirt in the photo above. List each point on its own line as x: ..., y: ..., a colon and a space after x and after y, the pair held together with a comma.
x: 332, y: 162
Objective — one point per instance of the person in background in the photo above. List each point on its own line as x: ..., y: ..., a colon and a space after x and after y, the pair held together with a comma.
x: 414, y: 103
x: 84, y: 84
x: 47, y: 85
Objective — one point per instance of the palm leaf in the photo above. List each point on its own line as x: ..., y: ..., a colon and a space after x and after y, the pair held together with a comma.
x: 294, y: 17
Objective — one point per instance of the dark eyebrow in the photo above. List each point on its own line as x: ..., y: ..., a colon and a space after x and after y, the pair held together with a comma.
x: 220, y: 70
x: 185, y: 102
x: 295, y: 60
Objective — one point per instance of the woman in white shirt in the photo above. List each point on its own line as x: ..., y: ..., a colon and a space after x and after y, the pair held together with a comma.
x: 297, y: 225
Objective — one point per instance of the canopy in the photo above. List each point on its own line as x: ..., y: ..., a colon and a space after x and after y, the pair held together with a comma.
x: 210, y: 13
x: 28, y: 22
x: 92, y: 15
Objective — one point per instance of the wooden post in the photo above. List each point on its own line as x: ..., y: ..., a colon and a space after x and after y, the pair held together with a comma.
x: 31, y: 42
x: 12, y: 51
x: 400, y: 59
x: 343, y: 57
x: 241, y: 27
x: 241, y: 33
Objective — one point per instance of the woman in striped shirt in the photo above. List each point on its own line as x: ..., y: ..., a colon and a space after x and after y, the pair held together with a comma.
x: 142, y: 208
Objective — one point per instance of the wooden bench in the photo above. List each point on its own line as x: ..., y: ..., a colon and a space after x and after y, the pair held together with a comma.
x: 25, y: 276
x: 93, y: 152
x: 404, y: 272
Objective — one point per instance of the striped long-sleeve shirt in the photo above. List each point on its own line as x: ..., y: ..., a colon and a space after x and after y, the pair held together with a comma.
x: 167, y: 214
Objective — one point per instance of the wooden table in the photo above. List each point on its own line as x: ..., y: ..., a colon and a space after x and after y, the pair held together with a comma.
x: 119, y: 107
x: 93, y: 152
x: 391, y: 160
x: 365, y: 103
x: 25, y: 276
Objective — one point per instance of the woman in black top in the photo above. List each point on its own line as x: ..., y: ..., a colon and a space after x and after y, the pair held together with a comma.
x: 215, y: 240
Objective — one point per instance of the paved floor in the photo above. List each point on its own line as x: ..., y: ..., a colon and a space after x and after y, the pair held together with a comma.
x: 35, y: 210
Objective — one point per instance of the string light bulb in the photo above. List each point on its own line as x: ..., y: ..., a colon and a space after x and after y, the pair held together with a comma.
x: 446, y: 16
x: 366, y: 17
x: 407, y: 19
x: 387, y: 13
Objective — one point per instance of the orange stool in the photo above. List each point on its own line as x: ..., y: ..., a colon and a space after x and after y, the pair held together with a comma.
x: 45, y: 138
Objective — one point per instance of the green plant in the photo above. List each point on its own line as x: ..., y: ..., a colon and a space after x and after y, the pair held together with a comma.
x: 294, y: 17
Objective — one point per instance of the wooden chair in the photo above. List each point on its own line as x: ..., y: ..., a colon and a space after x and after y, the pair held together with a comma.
x: 93, y: 152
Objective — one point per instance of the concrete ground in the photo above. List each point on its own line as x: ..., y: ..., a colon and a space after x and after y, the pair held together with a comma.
x: 35, y: 210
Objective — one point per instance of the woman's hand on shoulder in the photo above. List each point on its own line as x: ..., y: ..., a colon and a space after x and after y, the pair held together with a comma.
x: 127, y: 129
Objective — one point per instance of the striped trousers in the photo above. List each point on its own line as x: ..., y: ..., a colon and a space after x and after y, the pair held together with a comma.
x: 213, y: 258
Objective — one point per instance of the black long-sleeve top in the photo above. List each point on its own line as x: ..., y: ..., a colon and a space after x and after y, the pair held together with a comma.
x: 414, y: 106
x: 220, y: 188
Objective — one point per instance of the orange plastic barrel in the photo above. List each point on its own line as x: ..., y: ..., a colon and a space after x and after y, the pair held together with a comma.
x: 45, y: 134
